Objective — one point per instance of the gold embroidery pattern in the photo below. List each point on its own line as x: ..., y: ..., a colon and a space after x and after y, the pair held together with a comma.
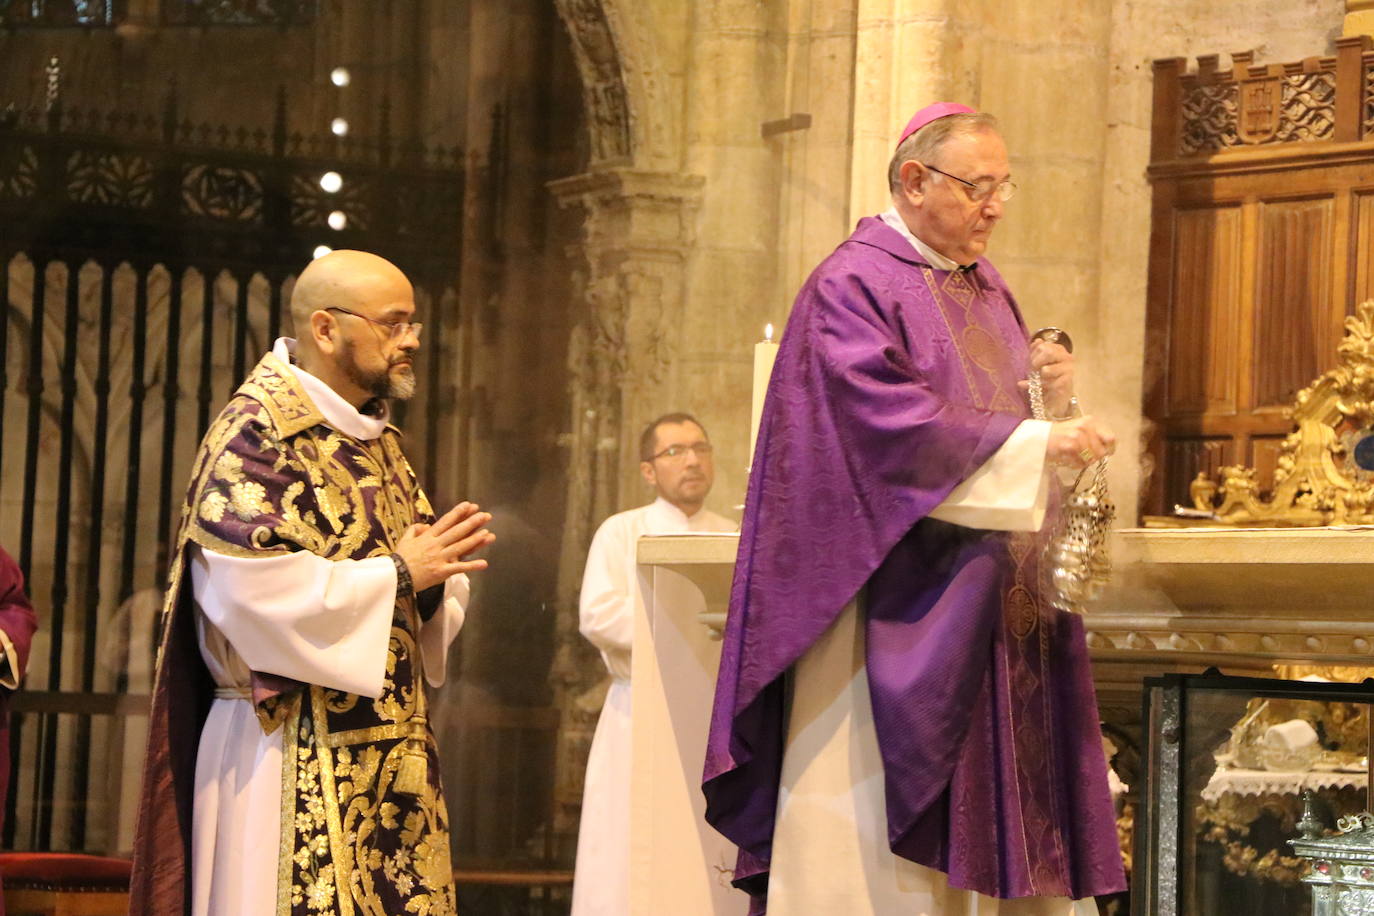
x: 393, y: 850
x: 949, y: 327
x: 980, y: 343
x: 975, y: 344
x: 415, y: 866
x: 271, y: 478
x: 959, y: 289
x: 1026, y: 656
x: 273, y: 385
x: 286, y: 864
x: 313, y: 876
x: 1020, y: 606
x: 982, y: 348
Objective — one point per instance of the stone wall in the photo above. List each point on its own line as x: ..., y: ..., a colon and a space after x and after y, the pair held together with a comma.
x: 1072, y: 90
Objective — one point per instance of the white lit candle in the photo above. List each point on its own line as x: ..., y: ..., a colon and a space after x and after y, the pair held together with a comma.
x: 765, y: 351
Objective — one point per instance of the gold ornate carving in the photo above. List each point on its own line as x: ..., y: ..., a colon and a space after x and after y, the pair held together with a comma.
x: 1317, y: 480
x: 1232, y: 816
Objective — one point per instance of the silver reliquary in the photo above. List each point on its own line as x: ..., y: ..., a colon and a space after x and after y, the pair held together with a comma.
x: 1342, y: 875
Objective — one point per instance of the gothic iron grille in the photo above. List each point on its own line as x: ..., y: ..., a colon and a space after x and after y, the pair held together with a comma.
x: 144, y: 264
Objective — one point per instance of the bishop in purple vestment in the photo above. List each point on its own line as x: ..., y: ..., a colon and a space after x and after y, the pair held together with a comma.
x: 900, y: 375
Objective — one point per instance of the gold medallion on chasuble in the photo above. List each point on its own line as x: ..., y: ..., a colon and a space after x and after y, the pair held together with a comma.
x: 1020, y: 607
x: 982, y: 348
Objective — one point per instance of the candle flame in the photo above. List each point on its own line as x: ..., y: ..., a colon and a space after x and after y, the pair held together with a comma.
x: 768, y: 331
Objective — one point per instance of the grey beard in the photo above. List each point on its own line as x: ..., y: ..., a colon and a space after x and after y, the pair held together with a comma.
x: 401, y: 385
x: 382, y: 384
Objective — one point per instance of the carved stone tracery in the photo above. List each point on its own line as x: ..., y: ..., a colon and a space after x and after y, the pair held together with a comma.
x: 637, y: 229
x: 599, y: 59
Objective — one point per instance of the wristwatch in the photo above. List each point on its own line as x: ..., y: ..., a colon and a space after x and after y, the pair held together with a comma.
x: 405, y: 586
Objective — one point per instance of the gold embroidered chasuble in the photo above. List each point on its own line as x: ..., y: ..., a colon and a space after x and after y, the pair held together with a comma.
x: 271, y: 478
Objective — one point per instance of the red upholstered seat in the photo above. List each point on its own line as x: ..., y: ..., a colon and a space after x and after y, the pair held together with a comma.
x: 60, y: 871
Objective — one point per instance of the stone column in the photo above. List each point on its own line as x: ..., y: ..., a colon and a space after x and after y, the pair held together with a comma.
x: 902, y: 54
x: 637, y: 230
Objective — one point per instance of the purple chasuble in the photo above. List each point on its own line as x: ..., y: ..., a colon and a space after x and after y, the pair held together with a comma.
x: 894, y: 382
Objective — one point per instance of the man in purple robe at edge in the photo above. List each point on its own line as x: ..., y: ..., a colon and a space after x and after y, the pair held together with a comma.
x: 903, y: 724
x: 17, y: 624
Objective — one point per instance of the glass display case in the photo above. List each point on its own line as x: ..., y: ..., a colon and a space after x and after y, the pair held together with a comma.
x: 1228, y: 762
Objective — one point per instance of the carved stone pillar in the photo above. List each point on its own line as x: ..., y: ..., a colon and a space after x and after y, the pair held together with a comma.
x: 637, y: 229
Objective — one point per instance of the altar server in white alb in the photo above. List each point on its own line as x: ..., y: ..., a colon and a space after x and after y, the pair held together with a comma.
x: 675, y: 459
x: 313, y: 595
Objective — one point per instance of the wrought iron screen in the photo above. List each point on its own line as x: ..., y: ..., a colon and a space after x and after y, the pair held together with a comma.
x: 239, y: 12
x: 60, y: 12
x: 145, y: 263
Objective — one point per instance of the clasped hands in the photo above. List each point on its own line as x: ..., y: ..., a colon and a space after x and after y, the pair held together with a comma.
x: 1074, y: 442
x: 434, y: 552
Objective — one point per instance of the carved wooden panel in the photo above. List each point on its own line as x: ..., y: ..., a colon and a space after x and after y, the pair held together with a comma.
x: 1262, y: 242
x: 1362, y: 248
x: 1206, y: 309
x: 1296, y: 328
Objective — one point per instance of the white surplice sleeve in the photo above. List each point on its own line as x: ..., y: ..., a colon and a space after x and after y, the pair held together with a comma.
x: 1010, y: 491
x: 438, y: 633
x: 9, y: 663
x: 301, y: 616
x: 606, y: 610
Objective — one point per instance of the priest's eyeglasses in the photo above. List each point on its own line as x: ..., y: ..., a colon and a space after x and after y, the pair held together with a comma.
x: 1003, y: 190
x: 395, y: 329
x: 679, y: 452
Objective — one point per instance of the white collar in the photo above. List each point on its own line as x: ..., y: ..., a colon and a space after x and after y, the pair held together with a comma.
x: 338, y: 413
x: 670, y: 518
x: 937, y: 260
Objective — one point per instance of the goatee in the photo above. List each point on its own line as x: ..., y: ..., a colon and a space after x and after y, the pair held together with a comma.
x: 396, y: 381
x: 400, y: 383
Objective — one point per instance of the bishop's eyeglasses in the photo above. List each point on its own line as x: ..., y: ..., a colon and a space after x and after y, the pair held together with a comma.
x: 395, y: 329
x: 1004, y: 189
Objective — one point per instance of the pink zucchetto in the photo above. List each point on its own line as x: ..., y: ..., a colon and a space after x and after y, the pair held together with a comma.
x: 932, y: 113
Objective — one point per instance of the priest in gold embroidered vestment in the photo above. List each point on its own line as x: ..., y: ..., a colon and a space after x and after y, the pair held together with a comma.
x: 312, y: 595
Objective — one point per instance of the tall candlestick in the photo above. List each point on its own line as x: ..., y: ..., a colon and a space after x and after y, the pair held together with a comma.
x: 765, y: 351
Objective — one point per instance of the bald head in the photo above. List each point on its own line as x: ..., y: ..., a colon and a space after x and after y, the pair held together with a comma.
x: 353, y: 314
x: 355, y: 280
